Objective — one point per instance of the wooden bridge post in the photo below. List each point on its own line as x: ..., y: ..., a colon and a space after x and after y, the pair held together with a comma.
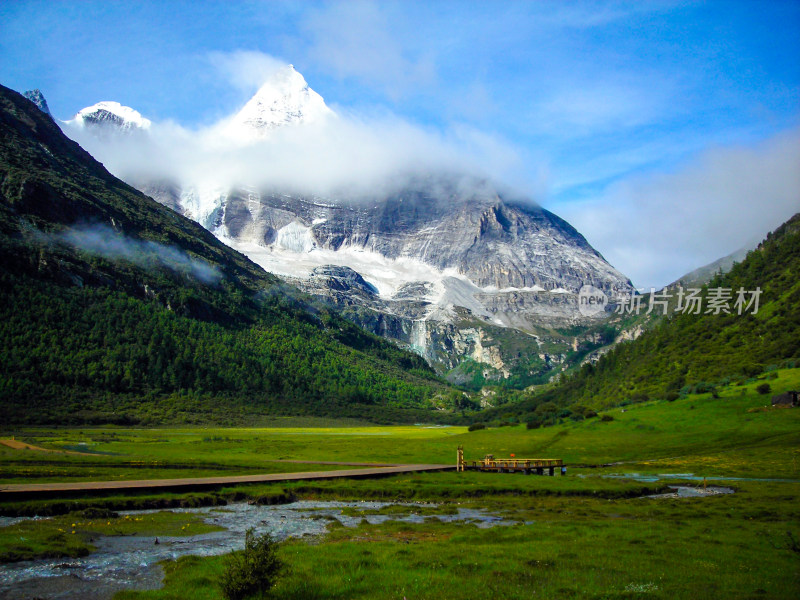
x: 460, y: 459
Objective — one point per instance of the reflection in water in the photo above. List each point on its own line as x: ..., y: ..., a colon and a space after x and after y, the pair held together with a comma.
x: 127, y: 562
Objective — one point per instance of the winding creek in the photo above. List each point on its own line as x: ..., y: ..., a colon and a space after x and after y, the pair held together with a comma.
x: 131, y: 562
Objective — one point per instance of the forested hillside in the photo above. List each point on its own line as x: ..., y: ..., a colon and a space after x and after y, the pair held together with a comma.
x: 690, y: 352
x: 113, y: 308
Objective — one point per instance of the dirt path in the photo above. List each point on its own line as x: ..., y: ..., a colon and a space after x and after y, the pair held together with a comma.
x: 9, y: 491
x: 17, y: 445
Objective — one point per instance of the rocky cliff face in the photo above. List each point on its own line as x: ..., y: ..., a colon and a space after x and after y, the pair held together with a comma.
x: 508, y: 262
x: 496, y: 243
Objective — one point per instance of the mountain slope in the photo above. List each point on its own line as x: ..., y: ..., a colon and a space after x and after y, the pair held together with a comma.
x: 115, y: 308
x: 689, y: 352
x: 702, y: 275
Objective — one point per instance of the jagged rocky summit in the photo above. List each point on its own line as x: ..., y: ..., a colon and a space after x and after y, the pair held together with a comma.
x: 37, y: 98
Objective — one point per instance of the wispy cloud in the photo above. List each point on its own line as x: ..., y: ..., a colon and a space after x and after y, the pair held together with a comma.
x: 101, y: 240
x: 581, y: 109
x: 355, y: 40
x: 247, y: 70
x: 656, y: 228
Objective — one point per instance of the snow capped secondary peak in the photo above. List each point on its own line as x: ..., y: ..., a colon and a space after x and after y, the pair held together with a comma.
x: 284, y: 99
x: 111, y: 113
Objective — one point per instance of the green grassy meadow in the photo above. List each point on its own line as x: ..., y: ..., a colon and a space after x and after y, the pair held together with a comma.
x: 735, y: 434
x: 586, y: 535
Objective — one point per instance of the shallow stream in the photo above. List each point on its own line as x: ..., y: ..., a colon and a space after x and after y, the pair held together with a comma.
x: 650, y: 477
x: 131, y: 562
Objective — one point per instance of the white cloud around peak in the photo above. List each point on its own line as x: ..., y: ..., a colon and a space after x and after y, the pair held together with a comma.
x: 247, y: 70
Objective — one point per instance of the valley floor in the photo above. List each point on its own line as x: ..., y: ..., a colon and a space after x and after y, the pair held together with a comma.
x: 595, y: 533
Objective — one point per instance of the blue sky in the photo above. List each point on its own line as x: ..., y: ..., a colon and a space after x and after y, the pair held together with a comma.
x: 667, y: 132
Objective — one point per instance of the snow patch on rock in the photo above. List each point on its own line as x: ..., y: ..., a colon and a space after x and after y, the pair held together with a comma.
x: 110, y: 113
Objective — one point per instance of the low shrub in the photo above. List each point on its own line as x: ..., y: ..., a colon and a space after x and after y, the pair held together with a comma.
x: 476, y: 426
x: 253, y: 570
x: 753, y: 369
x: 764, y: 388
x: 702, y: 387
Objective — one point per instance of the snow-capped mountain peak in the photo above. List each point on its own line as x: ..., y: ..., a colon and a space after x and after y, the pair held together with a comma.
x: 110, y: 113
x: 284, y: 99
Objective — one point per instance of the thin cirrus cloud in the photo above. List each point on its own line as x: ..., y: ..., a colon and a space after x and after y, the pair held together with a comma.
x: 575, y: 110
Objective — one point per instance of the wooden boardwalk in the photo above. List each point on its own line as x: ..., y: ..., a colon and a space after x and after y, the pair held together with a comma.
x: 31, y: 490
x: 490, y: 464
x: 514, y: 465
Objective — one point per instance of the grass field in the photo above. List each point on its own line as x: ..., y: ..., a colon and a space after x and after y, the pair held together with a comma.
x: 586, y: 535
x: 733, y: 435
